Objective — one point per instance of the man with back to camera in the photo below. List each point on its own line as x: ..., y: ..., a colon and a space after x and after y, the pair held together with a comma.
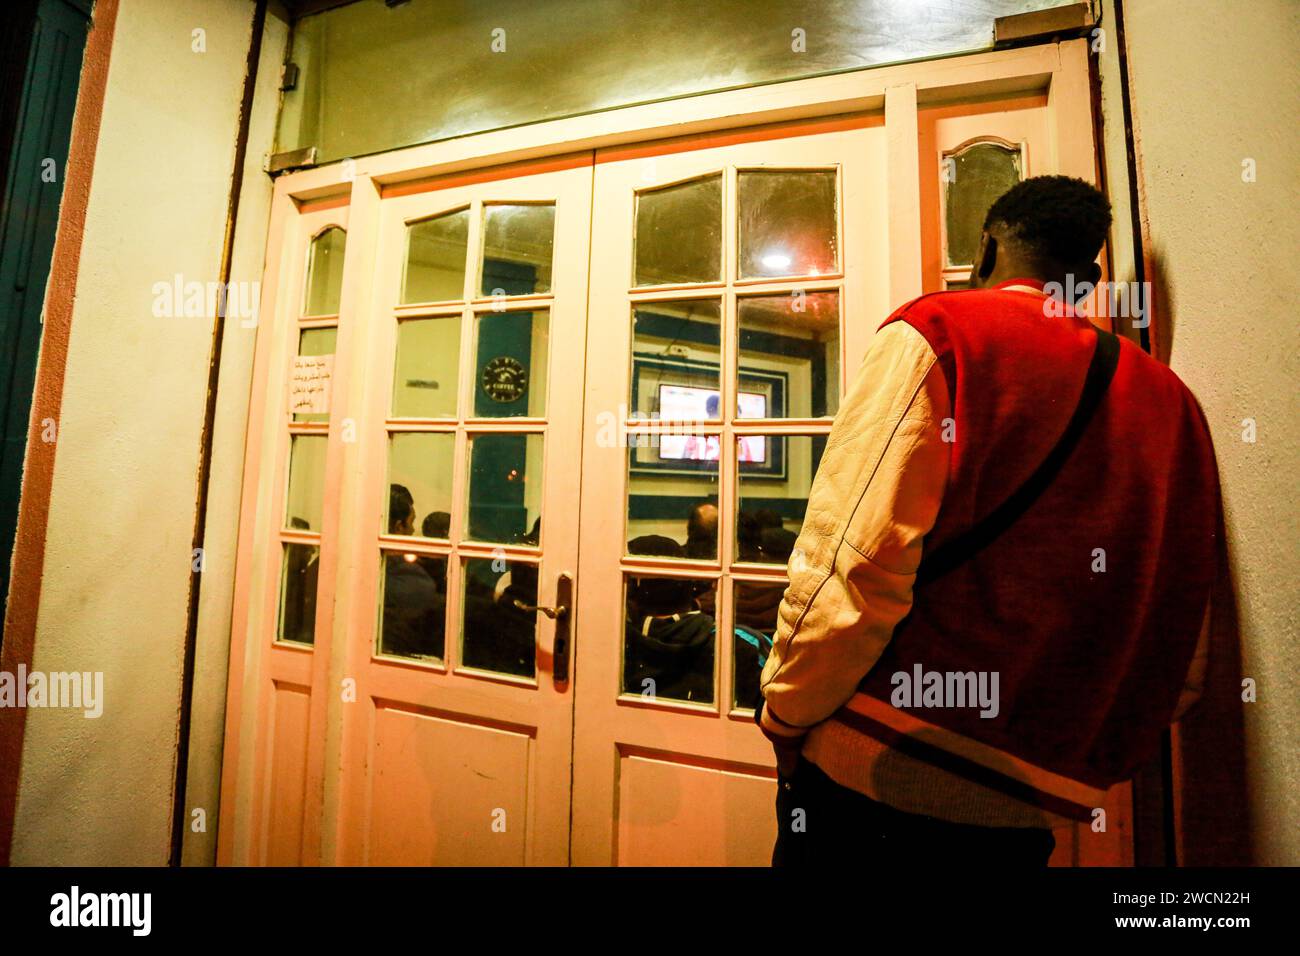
x: 995, y: 599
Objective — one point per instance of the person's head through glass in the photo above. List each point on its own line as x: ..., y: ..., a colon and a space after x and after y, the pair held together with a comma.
x: 436, y: 524
x: 658, y: 596
x: 775, y: 544
x: 702, y: 531
x: 711, y: 406
x: 401, y: 510
x: 750, y: 526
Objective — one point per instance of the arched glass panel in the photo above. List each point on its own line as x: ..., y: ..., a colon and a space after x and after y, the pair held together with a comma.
x: 974, y: 178
x: 325, y: 272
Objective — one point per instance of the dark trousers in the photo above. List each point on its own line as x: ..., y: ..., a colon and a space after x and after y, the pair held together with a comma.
x: 839, y: 826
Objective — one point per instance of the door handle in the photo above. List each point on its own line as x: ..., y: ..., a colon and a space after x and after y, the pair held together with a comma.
x: 554, y: 613
x: 561, y: 616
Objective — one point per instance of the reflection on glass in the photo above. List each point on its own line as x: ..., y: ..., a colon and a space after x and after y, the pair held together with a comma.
x: 428, y: 359
x: 673, y: 493
x: 435, y: 258
x: 517, y: 246
x: 789, y: 350
x: 316, y: 342
x: 974, y: 179
x: 669, y: 641
x: 787, y: 222
x: 325, y: 272
x: 358, y: 93
x: 771, y: 508
x: 679, y: 233
x: 419, y: 490
x: 304, y: 502
x: 505, y: 488
x: 499, y: 631
x: 512, y: 350
x: 756, y: 608
x: 298, y: 576
x: 758, y: 605
x: 676, y: 356
x: 413, y: 603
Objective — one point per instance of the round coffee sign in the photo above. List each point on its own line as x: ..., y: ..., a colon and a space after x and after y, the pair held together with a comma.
x: 505, y: 379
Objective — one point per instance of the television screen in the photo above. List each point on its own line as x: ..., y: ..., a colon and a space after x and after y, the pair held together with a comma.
x: 691, y: 403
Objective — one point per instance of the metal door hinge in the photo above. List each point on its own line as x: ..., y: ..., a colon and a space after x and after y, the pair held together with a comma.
x: 290, y: 159
x: 1040, y: 26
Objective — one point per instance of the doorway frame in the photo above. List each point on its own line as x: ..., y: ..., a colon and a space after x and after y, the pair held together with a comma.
x: 1060, y: 70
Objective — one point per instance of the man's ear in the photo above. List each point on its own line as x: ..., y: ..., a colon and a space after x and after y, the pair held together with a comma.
x: 1093, y: 273
x: 986, y: 257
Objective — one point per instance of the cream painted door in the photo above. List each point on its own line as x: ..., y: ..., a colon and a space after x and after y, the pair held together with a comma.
x: 736, y: 280
x: 270, y: 808
x: 456, y: 747
x: 667, y: 353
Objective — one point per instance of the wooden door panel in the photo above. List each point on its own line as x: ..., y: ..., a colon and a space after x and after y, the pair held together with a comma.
x: 287, y: 774
x: 446, y: 790
x: 674, y: 813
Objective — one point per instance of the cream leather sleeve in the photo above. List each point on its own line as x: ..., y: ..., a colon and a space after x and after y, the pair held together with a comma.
x: 875, y: 496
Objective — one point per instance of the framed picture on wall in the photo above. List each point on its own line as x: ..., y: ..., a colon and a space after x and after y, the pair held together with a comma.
x: 674, y: 389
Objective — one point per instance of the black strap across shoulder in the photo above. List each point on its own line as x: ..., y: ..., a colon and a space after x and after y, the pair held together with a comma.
x: 1105, y: 356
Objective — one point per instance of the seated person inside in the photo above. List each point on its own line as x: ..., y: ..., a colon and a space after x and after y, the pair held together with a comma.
x: 669, y: 640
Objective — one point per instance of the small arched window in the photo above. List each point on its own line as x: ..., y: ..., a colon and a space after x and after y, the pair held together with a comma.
x: 325, y: 271
x: 974, y: 175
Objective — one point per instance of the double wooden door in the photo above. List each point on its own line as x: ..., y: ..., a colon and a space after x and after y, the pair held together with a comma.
x: 543, y: 436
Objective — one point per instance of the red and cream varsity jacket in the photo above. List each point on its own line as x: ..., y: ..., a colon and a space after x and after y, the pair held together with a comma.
x: 1014, y: 690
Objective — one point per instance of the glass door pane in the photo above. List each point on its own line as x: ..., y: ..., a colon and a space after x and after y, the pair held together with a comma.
x: 469, y: 440
x: 706, y: 416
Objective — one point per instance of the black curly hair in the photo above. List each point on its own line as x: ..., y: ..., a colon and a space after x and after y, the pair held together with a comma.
x: 401, y: 506
x: 1055, y: 218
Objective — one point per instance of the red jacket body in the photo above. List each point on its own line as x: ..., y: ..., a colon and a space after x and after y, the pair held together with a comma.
x: 1089, y: 606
